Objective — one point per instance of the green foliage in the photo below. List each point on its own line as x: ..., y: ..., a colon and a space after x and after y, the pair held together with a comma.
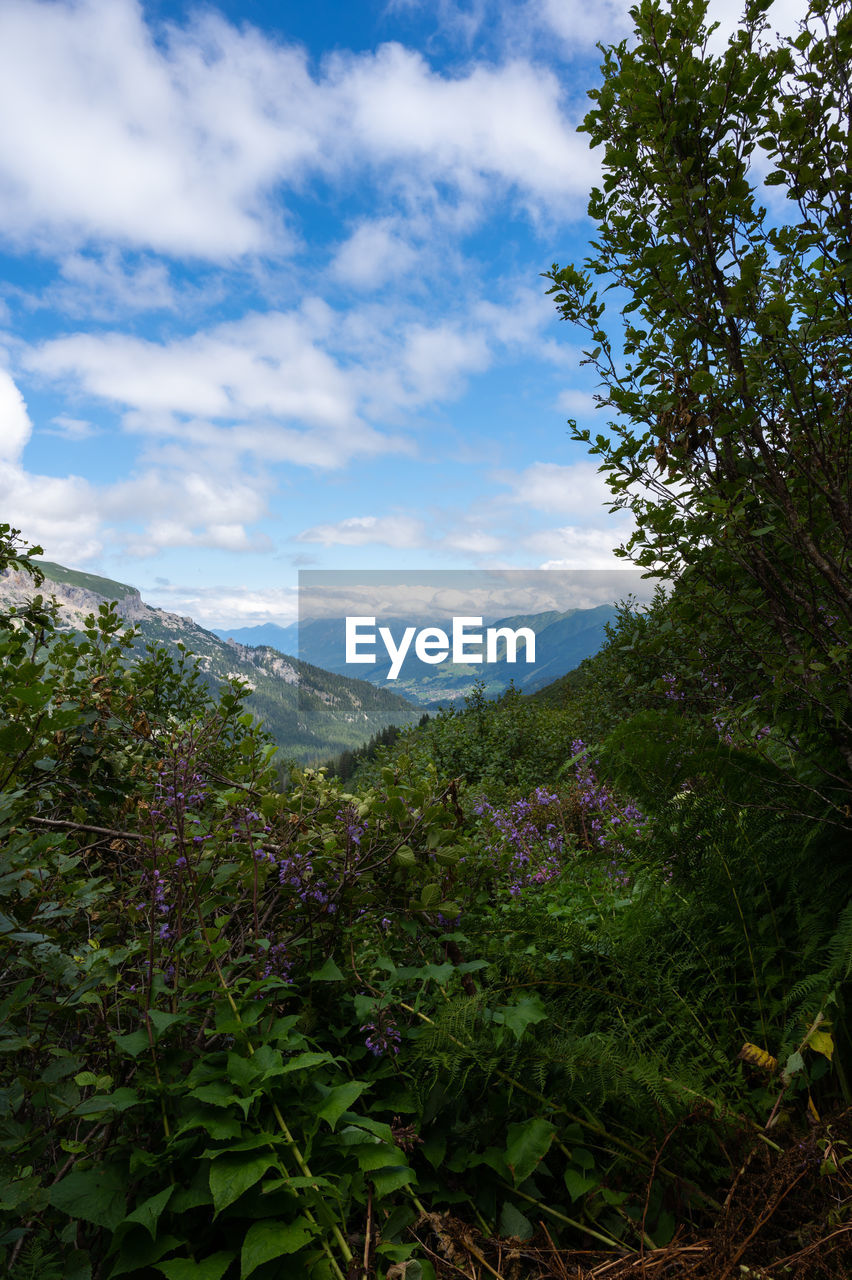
x: 730, y: 373
x: 530, y: 962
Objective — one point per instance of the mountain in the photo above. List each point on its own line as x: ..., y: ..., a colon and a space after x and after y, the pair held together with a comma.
x: 284, y: 639
x: 563, y: 640
x: 312, y: 714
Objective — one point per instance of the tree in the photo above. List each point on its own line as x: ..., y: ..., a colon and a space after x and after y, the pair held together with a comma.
x: 731, y: 367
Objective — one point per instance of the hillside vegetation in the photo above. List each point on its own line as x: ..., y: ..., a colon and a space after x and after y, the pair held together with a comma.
x: 547, y: 976
x: 309, y: 712
x: 554, y: 986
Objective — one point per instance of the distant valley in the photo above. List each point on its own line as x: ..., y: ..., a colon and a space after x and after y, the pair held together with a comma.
x: 317, y: 708
x: 563, y: 640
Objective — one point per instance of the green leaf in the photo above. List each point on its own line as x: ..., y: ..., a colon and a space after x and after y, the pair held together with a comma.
x: 161, y: 1020
x: 217, y: 1094
x: 304, y: 1061
x: 148, y: 1213
x: 525, y: 1013
x: 795, y: 1063
x: 230, y: 1177
x: 95, y: 1195
x: 513, y: 1223
x: 212, y: 1268
x: 119, y: 1100
x: 579, y: 1183
x: 339, y: 1099
x: 527, y: 1144
x: 328, y: 973
x: 133, y: 1043
x: 142, y: 1252
x: 387, y: 1181
x: 377, y: 1155
x: 267, y: 1240
x: 430, y: 896
x: 821, y: 1042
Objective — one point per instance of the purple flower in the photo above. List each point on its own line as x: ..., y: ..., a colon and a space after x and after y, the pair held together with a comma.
x: 383, y: 1037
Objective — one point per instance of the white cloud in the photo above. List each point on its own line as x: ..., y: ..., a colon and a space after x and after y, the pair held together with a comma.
x: 576, y: 402
x: 71, y: 428
x: 188, y: 508
x: 374, y: 254
x: 502, y: 122
x: 15, y: 425
x: 572, y: 547
x: 74, y: 519
x: 104, y: 285
x: 167, y: 145
x: 181, y: 139
x: 360, y: 531
x: 579, y: 489
x: 226, y: 606
x: 59, y: 513
x: 261, y: 365
x: 580, y: 26
x: 285, y: 387
x: 518, y: 322
x: 475, y: 542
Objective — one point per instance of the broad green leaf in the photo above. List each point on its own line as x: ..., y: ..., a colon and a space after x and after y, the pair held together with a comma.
x: 230, y: 1177
x: 119, y: 1100
x: 578, y: 1183
x: 148, y: 1213
x: 95, y: 1195
x: 133, y: 1043
x: 212, y: 1268
x: 340, y: 1099
x: 795, y: 1063
x: 513, y: 1222
x: 217, y: 1094
x: 387, y: 1181
x: 525, y: 1013
x: 527, y: 1144
x: 161, y: 1020
x: 304, y: 1061
x: 377, y: 1127
x: 142, y: 1252
x: 430, y: 896
x: 328, y: 973
x: 241, y: 1071
x: 268, y: 1240
x: 377, y: 1155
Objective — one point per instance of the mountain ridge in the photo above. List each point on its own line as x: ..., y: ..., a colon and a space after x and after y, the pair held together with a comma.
x: 309, y: 712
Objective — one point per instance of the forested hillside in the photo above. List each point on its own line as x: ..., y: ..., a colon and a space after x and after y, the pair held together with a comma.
x: 308, y: 712
x: 548, y: 975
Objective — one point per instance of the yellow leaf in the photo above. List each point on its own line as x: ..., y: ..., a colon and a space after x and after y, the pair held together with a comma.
x: 821, y: 1042
x: 758, y: 1057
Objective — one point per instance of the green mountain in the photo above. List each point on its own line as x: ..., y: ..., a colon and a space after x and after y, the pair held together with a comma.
x: 311, y: 713
x: 563, y: 640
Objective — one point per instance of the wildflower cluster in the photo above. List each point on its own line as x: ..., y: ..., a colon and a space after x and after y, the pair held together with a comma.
x: 603, y: 820
x: 605, y: 815
x: 353, y: 828
x: 526, y: 840
x: 277, y: 962
x: 296, y: 872
x: 672, y: 692
x: 382, y: 1036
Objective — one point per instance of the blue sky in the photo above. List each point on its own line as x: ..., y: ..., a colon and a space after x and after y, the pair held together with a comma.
x: 271, y: 292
